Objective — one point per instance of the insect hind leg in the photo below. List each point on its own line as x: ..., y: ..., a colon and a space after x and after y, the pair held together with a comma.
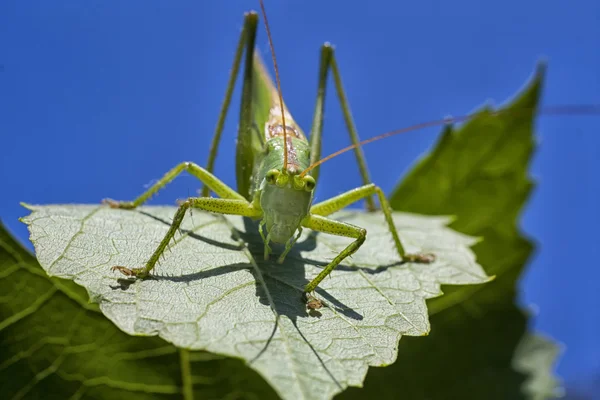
x: 328, y: 62
x: 246, y: 41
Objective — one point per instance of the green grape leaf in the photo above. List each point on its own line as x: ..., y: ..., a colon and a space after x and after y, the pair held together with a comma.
x: 479, y: 345
x: 214, y: 292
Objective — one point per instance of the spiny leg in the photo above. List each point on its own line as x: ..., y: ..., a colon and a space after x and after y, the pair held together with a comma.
x: 328, y: 61
x: 230, y: 202
x: 316, y: 129
x: 337, y: 203
x: 249, y: 30
x: 144, y: 272
x: 221, y: 206
x: 326, y: 225
x: 214, y: 183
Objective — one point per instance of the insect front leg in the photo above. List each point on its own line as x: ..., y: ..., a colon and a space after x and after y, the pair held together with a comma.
x: 265, y: 239
x: 337, y: 203
x: 289, y: 244
x: 221, y: 206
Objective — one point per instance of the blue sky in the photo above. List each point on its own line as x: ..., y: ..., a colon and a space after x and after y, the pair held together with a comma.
x: 99, y: 98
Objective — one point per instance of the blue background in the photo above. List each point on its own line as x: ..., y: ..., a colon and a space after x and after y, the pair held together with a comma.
x: 98, y: 98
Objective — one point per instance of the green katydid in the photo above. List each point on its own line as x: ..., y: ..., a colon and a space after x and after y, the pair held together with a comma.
x: 278, y: 186
x: 277, y: 168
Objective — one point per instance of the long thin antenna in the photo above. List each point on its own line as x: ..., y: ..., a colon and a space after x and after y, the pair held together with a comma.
x: 553, y: 110
x: 285, y: 138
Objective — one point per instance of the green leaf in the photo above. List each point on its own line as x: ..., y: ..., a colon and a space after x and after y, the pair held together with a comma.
x: 476, y: 350
x: 56, y: 345
x: 465, y: 356
x: 478, y: 173
x: 214, y: 293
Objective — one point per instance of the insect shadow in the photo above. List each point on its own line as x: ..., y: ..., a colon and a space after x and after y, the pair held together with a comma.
x: 279, y: 286
x: 285, y: 282
x: 193, y: 234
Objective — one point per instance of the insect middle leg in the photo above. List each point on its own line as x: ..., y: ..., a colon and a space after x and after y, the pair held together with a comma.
x: 214, y: 183
x: 221, y: 206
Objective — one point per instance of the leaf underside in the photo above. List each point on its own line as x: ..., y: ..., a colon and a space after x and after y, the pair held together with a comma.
x: 213, y: 292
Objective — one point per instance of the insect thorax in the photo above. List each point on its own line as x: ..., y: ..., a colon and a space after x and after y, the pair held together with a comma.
x: 275, y: 123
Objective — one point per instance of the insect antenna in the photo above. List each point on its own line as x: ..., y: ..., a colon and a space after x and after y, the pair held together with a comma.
x: 277, y: 80
x: 551, y: 110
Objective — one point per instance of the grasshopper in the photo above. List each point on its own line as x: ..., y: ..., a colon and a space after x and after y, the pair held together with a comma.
x: 277, y: 167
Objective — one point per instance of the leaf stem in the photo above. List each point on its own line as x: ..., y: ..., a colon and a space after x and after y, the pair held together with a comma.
x: 186, y: 374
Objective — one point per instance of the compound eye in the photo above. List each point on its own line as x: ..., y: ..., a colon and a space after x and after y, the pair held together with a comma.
x: 309, y: 183
x: 272, y: 176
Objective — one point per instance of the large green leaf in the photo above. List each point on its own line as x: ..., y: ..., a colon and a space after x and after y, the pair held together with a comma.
x: 54, y: 344
x: 214, y: 293
x: 479, y: 346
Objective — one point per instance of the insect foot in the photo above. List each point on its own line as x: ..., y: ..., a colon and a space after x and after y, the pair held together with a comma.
x: 312, y: 303
x: 425, y: 258
x: 134, y: 272
x: 128, y: 205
